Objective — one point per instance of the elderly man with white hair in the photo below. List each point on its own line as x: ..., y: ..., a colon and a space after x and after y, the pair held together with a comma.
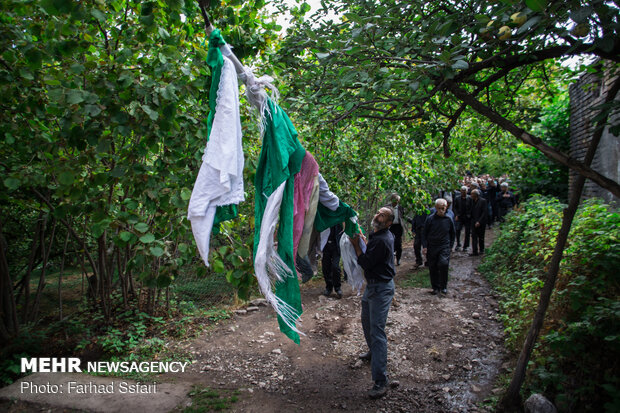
x: 505, y: 201
x: 437, y: 243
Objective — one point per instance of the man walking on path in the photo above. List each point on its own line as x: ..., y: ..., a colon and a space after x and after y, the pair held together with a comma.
x: 378, y: 265
x: 397, y: 226
x: 331, y: 262
x: 417, y: 227
x: 505, y: 201
x: 462, y: 212
x: 437, y: 241
x: 479, y: 215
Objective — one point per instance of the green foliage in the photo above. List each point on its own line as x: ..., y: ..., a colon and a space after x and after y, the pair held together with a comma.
x: 576, y: 360
x: 103, y: 129
x: 530, y: 170
x: 28, y: 342
x: 383, y: 69
x: 234, y: 258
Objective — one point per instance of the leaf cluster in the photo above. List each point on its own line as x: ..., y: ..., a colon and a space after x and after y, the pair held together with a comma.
x: 576, y: 359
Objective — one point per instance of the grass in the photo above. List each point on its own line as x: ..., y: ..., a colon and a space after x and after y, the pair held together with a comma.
x: 416, y: 279
x: 205, y: 399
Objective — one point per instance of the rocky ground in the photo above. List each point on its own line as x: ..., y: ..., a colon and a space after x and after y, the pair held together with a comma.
x: 446, y: 351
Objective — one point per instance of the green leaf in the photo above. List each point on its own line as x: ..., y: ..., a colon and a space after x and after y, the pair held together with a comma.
x: 606, y: 43
x: 26, y: 74
x: 141, y: 227
x: 125, y: 235
x: 353, y: 17
x: 460, y: 64
x: 153, y: 114
x: 117, y: 172
x: 92, y: 110
x: 66, y: 178
x: 218, y: 266
x: 131, y: 204
x: 156, y: 251
x: 186, y: 194
x: 75, y: 96
x: 98, y: 14
x: 582, y: 14
x: 163, y: 280
x: 536, y: 5
x: 12, y: 183
x: 147, y: 238
x: 76, y: 68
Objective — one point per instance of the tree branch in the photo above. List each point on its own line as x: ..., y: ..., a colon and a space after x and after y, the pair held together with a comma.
x: 514, y: 61
x: 552, y: 153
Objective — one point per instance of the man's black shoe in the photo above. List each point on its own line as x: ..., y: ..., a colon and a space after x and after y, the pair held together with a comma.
x: 365, y: 356
x: 444, y: 291
x: 435, y: 291
x: 473, y: 254
x: 327, y: 292
x: 339, y: 293
x: 458, y: 248
x: 378, y: 391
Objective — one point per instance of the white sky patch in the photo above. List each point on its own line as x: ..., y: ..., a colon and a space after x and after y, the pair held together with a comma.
x: 284, y: 19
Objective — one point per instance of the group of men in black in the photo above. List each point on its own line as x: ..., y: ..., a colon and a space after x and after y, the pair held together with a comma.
x: 435, y: 232
x: 478, y: 204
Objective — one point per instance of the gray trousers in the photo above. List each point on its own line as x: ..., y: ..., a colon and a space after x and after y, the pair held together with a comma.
x: 375, y: 307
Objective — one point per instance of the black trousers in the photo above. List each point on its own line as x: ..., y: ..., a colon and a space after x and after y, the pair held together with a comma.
x: 417, y: 247
x: 460, y: 224
x: 503, y: 211
x: 477, y: 238
x: 397, y: 230
x: 331, y: 266
x: 438, y: 264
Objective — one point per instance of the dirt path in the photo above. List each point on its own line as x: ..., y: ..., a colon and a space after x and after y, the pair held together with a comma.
x: 445, y: 351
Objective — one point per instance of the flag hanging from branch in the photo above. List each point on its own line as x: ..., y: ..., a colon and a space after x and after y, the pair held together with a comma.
x: 280, y: 159
x: 219, y: 185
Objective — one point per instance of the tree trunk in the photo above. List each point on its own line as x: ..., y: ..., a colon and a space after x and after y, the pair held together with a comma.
x: 512, y: 400
x: 9, y: 326
x: 62, y: 270
x: 46, y: 253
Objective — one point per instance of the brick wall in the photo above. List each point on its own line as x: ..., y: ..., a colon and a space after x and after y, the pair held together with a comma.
x: 589, y: 91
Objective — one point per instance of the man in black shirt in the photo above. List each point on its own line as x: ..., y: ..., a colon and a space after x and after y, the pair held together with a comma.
x: 331, y: 262
x: 397, y: 227
x: 378, y: 265
x: 437, y: 241
x: 462, y: 212
x: 505, y: 200
x: 479, y: 215
x: 417, y: 227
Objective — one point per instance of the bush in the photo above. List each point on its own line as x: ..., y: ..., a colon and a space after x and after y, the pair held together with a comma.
x: 578, y: 354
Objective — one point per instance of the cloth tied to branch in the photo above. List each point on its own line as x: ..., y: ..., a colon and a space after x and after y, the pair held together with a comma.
x: 280, y: 159
x: 219, y: 185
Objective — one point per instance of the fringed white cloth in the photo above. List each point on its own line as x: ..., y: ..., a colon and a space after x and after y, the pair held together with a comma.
x: 355, y: 273
x: 220, y: 179
x: 268, y: 266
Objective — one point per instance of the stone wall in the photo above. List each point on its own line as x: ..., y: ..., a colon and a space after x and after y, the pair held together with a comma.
x: 589, y: 91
